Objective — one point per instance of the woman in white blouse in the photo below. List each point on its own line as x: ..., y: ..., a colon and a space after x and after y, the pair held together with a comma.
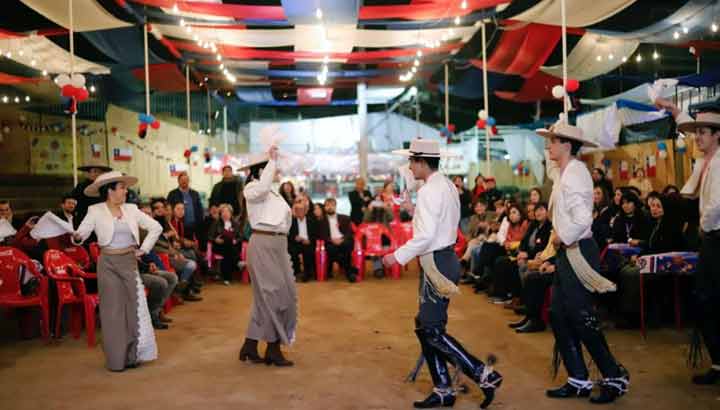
x: 128, y: 337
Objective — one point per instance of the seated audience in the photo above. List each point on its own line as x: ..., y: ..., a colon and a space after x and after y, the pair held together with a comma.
x: 631, y: 224
x: 602, y: 215
x: 21, y: 239
x: 641, y: 182
x: 491, y: 193
x: 337, y: 233
x: 167, y: 243
x: 160, y: 284
x: 227, y: 235
x: 380, y: 212
x: 66, y: 212
x: 302, y: 237
x: 287, y: 190
x: 478, y: 229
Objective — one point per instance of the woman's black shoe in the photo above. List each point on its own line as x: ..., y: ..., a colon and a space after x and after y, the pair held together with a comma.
x: 274, y: 355
x: 249, y: 352
x: 435, y: 400
x: 521, y: 323
x: 532, y: 326
x: 567, y: 391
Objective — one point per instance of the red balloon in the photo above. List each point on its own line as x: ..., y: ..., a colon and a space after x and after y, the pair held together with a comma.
x: 142, y: 127
x: 155, y: 124
x: 81, y: 94
x: 480, y: 123
x: 494, y: 130
x: 572, y: 85
x: 68, y: 91
x: 187, y: 153
x: 451, y: 127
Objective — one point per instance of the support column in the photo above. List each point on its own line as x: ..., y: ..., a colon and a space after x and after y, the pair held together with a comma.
x: 73, y: 120
x: 225, y: 136
x: 363, y: 145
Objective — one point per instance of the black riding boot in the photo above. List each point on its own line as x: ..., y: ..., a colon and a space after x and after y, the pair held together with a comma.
x: 442, y: 395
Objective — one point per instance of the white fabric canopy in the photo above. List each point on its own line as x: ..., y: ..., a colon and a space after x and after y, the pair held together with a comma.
x: 579, y: 13
x: 309, y: 37
x: 594, y: 55
x: 88, y: 15
x: 48, y: 56
x: 603, y: 126
x: 637, y: 94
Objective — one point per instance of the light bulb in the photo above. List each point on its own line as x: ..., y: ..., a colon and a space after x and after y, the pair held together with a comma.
x: 611, y: 56
x: 218, y: 57
x: 27, y: 98
x: 457, y: 20
x: 463, y: 5
x: 319, y: 13
x: 17, y: 99
x: 21, y: 52
x: 8, y: 54
x: 414, y: 70
x: 685, y: 30
x: 182, y: 22
x: 222, y: 66
x: 175, y: 9
x: 598, y: 58
x: 92, y: 88
x: 5, y: 99
x: 655, y: 55
x: 624, y: 59
x: 44, y: 73
x: 714, y: 27
x: 416, y: 63
x: 676, y: 35
x: 33, y: 62
x: 638, y: 58
x: 419, y: 53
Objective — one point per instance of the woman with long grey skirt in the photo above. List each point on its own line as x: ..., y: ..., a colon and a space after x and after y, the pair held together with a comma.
x: 274, y: 311
x: 127, y: 334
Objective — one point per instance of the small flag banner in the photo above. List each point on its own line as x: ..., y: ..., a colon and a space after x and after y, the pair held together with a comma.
x: 177, y: 169
x: 122, y: 154
x: 96, y: 150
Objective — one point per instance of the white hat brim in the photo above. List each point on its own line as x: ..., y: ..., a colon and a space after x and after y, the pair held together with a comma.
x: 93, y: 190
x: 692, y: 126
x: 408, y: 153
x: 546, y: 133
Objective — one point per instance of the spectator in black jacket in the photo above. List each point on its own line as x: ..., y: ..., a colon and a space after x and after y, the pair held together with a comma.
x: 360, y: 198
x: 227, y: 236
x: 491, y: 193
x: 301, y: 241
x: 194, y: 212
x: 337, y: 233
x: 602, y: 215
x: 631, y: 224
x: 228, y: 191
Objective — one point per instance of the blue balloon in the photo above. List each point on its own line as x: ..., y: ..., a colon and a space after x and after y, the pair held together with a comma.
x: 194, y: 148
x: 661, y: 146
x: 146, y: 118
x: 491, y: 121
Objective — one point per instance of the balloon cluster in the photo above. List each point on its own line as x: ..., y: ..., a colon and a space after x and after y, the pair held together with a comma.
x: 189, y: 151
x: 72, y: 90
x: 521, y: 170
x: 572, y: 86
x: 662, y: 150
x: 485, y: 120
x: 145, y: 121
x: 208, y: 155
x: 448, y: 131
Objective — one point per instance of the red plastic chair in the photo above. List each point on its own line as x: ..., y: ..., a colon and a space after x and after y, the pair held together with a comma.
x: 10, y: 295
x: 321, y: 265
x: 460, y: 244
x: 69, y: 279
x: 79, y: 255
x: 372, y: 234
x: 403, y: 232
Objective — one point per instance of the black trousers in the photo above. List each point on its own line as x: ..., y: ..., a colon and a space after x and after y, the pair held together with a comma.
x: 342, y: 254
x: 228, y: 264
x: 574, y: 319
x: 437, y: 346
x: 505, y: 278
x: 295, y: 249
x: 707, y: 281
x: 534, y: 289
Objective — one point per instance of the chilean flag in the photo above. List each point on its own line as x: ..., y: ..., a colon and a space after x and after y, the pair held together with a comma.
x: 122, y: 154
x: 177, y: 169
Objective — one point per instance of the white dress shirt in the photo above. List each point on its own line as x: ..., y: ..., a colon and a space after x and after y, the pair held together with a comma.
x: 100, y: 220
x: 267, y: 210
x: 707, y: 188
x: 436, y: 219
x: 571, y: 200
x: 302, y: 228
x: 334, y: 227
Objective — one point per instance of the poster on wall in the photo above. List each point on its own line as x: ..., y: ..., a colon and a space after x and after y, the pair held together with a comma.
x: 177, y: 169
x: 50, y: 154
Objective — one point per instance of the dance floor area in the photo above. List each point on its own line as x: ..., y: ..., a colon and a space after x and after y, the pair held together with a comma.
x: 354, y: 348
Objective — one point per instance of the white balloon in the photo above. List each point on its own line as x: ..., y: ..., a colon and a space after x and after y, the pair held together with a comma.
x: 558, y: 91
x: 662, y: 154
x: 62, y: 80
x: 482, y: 114
x: 78, y: 80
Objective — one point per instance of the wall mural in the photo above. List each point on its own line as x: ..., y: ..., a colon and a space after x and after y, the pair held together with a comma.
x: 51, y: 155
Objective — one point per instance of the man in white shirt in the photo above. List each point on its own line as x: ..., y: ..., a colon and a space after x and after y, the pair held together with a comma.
x: 435, y: 222
x: 704, y: 183
x: 573, y: 317
x: 301, y: 241
x: 339, y: 241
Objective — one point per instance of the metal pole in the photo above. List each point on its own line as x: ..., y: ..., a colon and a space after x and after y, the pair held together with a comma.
x: 225, y: 136
x: 486, y: 102
x: 564, y: 64
x: 73, y: 120
x: 209, y: 126
x: 147, y: 70
x: 363, y: 145
x: 187, y: 98
x: 447, y: 97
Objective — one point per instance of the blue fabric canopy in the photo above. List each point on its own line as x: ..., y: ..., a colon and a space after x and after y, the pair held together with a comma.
x: 470, y: 84
x: 634, y: 105
x: 124, y: 45
x: 707, y: 79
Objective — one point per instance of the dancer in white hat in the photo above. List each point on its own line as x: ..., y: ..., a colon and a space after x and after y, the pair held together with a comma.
x: 572, y: 314
x: 435, y: 224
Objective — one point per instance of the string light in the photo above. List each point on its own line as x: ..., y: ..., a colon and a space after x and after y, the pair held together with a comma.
x: 457, y: 20
x: 714, y: 27
x: 638, y: 58
x: 598, y: 58
x: 419, y: 53
x: 175, y: 8
x: 624, y: 59
x: 463, y: 5
x: 44, y: 73
x: 611, y: 56
x: 655, y: 55
x: 319, y: 13
x: 182, y: 22
x: 21, y: 52
x: 17, y: 100
x: 5, y: 99
x: 676, y: 35
x: 685, y: 30
x: 27, y: 98
x: 92, y: 88
x: 416, y: 63
x: 222, y: 66
x: 33, y: 62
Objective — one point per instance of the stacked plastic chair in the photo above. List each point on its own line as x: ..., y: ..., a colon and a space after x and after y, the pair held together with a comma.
x: 10, y: 295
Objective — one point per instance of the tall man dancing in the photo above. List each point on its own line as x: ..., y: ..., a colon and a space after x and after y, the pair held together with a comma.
x: 573, y: 317
x: 435, y: 224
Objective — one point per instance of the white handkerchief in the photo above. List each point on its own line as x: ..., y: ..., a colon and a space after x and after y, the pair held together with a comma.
x: 6, y: 229
x: 271, y: 136
x: 50, y: 226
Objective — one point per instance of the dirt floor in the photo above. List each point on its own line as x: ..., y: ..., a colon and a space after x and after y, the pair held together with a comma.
x: 355, y: 346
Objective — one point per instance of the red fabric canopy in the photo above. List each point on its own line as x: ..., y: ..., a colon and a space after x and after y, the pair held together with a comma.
x: 9, y: 79
x: 244, y: 53
x: 238, y: 11
x: 536, y: 88
x: 314, y: 95
x: 164, y: 77
x: 523, y: 51
x: 425, y: 9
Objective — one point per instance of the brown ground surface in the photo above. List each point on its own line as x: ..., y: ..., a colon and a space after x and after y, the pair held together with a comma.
x: 355, y: 346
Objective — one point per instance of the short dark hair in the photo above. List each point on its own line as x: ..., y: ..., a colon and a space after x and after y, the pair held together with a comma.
x: 227, y: 166
x: 107, y: 187
x: 432, y: 162
x: 154, y: 201
x: 331, y: 199
x: 541, y: 204
x: 65, y: 197
x: 4, y: 202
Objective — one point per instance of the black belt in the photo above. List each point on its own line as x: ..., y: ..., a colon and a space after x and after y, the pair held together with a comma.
x: 269, y: 233
x: 445, y: 249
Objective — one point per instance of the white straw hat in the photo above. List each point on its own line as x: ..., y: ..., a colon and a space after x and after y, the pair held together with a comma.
x: 564, y: 130
x: 107, y: 178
